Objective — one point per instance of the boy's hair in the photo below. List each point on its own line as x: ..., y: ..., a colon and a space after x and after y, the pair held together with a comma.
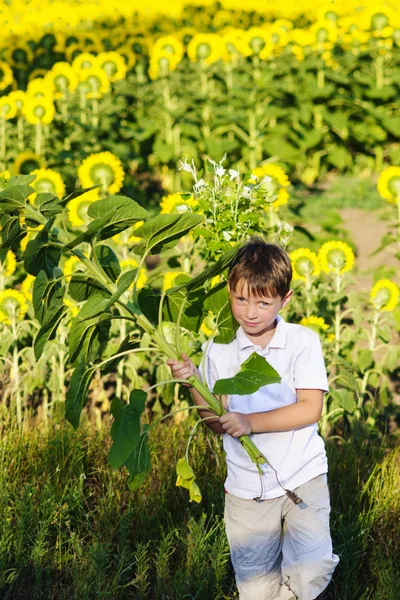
x: 266, y: 269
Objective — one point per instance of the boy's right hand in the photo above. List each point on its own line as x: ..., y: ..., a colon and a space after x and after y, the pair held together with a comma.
x: 182, y: 369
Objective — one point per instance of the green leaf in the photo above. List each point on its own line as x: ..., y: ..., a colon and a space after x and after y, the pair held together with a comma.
x: 125, y: 430
x: 81, y: 287
x: 345, y: 399
x: 149, y: 303
x: 21, y: 180
x: 108, y: 261
x: 46, y: 293
x: 122, y: 212
x: 48, y: 329
x: 139, y: 462
x: 163, y: 231
x: 76, y: 194
x: 89, y: 330
x: 364, y: 359
x: 126, y: 344
x: 77, y: 393
x: 254, y: 373
x: 14, y: 196
x: 40, y: 256
x: 218, y: 302
x: 212, y: 271
x: 192, y: 313
x: 392, y: 358
x: 48, y: 204
x: 11, y: 232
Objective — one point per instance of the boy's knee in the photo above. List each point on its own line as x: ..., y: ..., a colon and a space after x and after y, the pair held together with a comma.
x: 311, y: 573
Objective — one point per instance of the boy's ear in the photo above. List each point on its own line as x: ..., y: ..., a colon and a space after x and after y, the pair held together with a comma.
x: 287, y: 298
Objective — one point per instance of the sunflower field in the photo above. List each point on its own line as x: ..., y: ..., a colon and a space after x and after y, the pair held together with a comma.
x: 140, y: 145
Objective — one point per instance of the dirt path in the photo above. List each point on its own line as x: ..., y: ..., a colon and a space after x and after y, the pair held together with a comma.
x: 367, y: 230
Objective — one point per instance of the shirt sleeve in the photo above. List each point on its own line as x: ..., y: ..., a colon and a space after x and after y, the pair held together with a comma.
x: 208, y: 367
x: 309, y: 367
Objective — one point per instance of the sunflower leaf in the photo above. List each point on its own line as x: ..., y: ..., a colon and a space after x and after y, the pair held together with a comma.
x: 163, y: 231
x: 121, y: 212
x: 77, y: 392
x: 254, y: 373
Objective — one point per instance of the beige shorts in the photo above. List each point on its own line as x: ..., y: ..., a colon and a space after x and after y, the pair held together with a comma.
x: 280, y: 550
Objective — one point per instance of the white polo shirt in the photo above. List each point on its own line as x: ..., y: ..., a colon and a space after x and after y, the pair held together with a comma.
x: 297, y: 455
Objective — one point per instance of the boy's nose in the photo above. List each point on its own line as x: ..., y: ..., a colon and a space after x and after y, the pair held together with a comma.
x: 251, y: 312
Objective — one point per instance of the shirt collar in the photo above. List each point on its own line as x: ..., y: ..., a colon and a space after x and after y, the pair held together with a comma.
x: 278, y: 339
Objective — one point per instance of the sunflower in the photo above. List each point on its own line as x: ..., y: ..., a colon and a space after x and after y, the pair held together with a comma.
x: 37, y: 74
x: 48, y: 182
x: 39, y: 110
x: 113, y: 64
x: 85, y: 60
x: 316, y: 323
x: 8, y: 108
x: 170, y: 46
x: 128, y: 55
x: 175, y: 203
x: 259, y: 42
x: 72, y: 51
x: 389, y: 184
x: 6, y: 75
x: 206, y: 48
x: 40, y: 88
x: 26, y: 162
x: 324, y: 31
x: 305, y: 264
x: 131, y: 263
x: 7, y: 268
x: 385, y: 295
x: 63, y: 78
x: 279, y: 182
x: 103, y: 168
x: 93, y: 82
x: 336, y: 256
x: 235, y: 44
x: 77, y: 208
x: 27, y: 287
x: 19, y: 98
x: 13, y: 305
x: 169, y: 279
x: 20, y: 56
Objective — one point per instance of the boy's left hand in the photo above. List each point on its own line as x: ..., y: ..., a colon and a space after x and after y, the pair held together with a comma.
x: 236, y: 424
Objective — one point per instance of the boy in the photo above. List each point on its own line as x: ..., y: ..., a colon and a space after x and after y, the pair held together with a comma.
x: 279, y: 550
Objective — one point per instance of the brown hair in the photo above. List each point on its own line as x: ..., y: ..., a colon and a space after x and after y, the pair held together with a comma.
x: 266, y: 268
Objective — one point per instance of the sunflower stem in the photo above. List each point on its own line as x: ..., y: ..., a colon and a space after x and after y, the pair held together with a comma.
x: 38, y: 138
x: 2, y: 141
x: 20, y: 129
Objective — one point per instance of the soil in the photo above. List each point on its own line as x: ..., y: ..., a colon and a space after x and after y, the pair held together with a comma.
x: 367, y: 230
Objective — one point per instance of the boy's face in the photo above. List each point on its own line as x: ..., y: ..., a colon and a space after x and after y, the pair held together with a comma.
x: 256, y: 314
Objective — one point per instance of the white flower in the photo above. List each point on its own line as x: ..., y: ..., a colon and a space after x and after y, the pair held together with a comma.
x: 233, y: 173
x: 219, y: 171
x: 246, y: 191
x: 227, y: 236
x: 266, y: 179
x: 189, y: 168
x: 199, y: 184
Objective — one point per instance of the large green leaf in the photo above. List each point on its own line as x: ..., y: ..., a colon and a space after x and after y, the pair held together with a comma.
x: 122, y: 213
x: 192, y: 312
x: 76, y: 194
x: 39, y: 255
x: 212, y: 271
x: 125, y: 430
x: 48, y: 329
x: 149, y: 303
x: 81, y: 287
x: 254, y: 373
x: 163, y: 231
x: 89, y: 330
x: 48, y: 204
x: 139, y: 462
x: 218, y: 302
x: 77, y: 393
x: 108, y: 261
x: 47, y: 292
x: 126, y: 344
x: 14, y: 196
x: 11, y: 232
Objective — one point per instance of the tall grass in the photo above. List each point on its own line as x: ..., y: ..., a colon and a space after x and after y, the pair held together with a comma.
x: 70, y: 528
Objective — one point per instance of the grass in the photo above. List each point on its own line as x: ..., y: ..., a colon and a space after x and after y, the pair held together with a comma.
x: 70, y: 528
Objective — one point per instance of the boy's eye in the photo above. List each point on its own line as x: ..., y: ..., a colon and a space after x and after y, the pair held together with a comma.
x: 265, y: 303
x: 240, y: 299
